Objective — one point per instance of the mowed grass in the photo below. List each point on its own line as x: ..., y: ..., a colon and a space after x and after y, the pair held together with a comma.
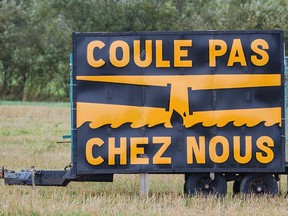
x: 28, y: 136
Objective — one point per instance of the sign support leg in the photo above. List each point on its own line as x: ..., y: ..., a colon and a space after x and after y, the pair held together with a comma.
x: 143, y: 180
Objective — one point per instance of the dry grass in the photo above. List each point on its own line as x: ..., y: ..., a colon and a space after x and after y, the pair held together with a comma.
x: 27, y: 137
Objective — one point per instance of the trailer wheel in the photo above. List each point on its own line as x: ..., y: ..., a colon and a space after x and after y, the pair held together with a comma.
x: 236, y: 187
x: 259, y: 184
x: 185, y: 187
x: 202, y: 184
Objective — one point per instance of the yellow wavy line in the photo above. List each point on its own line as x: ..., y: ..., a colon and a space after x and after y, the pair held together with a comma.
x: 116, y: 115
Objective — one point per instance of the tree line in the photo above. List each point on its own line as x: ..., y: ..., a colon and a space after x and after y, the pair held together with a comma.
x: 35, y: 35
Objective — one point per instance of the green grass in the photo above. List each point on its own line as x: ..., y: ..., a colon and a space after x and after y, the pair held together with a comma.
x: 28, y: 103
x: 28, y: 135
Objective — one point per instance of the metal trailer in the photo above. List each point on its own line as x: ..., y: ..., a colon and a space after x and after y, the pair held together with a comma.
x: 208, y: 105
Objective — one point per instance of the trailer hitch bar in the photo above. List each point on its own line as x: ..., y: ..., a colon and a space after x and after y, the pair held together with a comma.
x: 35, y: 177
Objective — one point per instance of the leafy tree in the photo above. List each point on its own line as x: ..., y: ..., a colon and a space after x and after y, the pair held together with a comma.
x: 35, y: 36
x: 17, y: 47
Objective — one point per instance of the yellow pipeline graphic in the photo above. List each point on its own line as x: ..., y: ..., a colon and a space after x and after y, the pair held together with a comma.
x: 116, y: 115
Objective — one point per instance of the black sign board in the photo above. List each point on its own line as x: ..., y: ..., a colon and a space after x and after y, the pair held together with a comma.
x: 175, y: 102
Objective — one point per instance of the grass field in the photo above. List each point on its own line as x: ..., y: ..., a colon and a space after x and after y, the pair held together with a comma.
x: 28, y: 136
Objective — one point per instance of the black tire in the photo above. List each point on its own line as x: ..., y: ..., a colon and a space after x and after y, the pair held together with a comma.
x: 185, y: 188
x: 259, y: 184
x: 202, y: 184
x: 236, y: 187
